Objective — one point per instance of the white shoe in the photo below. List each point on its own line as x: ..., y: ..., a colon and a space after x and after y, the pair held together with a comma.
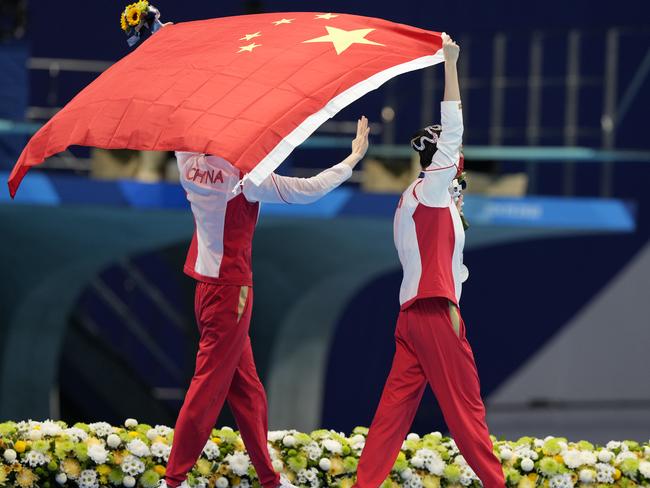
x: 284, y: 483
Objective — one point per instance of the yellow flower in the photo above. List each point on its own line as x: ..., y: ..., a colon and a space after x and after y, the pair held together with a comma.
x: 216, y: 440
x: 160, y: 469
x: 429, y: 481
x: 123, y: 24
x: 337, y: 466
x: 133, y: 15
x: 93, y: 441
x: 133, y: 433
x: 346, y: 482
x: 617, y: 474
x: 204, y: 467
x: 118, y: 456
x: 559, y: 459
x: 20, y: 446
x: 71, y: 468
x: 103, y: 469
x: 142, y: 5
x: 3, y: 476
x: 26, y: 478
x: 160, y: 439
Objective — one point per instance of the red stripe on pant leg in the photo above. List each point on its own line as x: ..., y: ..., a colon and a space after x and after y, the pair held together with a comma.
x: 394, y: 416
x: 448, y: 363
x: 222, y: 340
x: 247, y: 401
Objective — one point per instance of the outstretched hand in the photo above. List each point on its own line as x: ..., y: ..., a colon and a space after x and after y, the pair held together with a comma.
x: 360, y: 143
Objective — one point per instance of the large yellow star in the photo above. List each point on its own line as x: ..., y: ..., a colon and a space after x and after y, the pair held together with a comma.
x: 343, y: 39
x: 326, y: 16
x: 283, y: 21
x: 248, y: 48
x: 248, y: 37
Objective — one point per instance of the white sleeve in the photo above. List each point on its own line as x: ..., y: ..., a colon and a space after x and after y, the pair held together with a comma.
x: 434, y: 190
x: 284, y: 189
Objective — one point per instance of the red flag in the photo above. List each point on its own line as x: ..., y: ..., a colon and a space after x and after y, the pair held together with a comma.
x: 248, y: 88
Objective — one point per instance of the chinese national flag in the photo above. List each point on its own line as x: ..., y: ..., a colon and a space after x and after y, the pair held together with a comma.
x: 248, y: 88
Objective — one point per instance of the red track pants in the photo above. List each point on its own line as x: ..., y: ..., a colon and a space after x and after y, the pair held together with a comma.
x: 429, y: 350
x: 225, y: 369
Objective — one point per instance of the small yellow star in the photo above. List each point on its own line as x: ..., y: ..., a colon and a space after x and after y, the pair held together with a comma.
x: 248, y: 37
x: 326, y: 16
x: 343, y: 39
x: 283, y: 21
x: 248, y: 48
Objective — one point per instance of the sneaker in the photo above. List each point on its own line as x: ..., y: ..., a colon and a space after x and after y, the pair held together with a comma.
x: 284, y: 483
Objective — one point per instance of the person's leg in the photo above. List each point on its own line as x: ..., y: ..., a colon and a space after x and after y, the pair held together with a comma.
x: 223, y: 337
x: 394, y: 416
x: 448, y: 363
x: 247, y: 401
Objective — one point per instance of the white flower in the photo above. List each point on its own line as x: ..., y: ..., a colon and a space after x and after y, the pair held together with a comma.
x: 588, y: 458
x: 572, y: 458
x: 10, y: 456
x: 88, y: 479
x: 357, y: 439
x: 211, y: 450
x: 436, y: 434
x: 76, y: 434
x: 61, y: 478
x: 151, y: 434
x: 413, y: 437
x: 611, y: 445
x: 163, y: 430
x: 561, y: 481
x: 202, y: 482
x: 132, y: 465
x: 604, y: 473
x: 505, y: 454
x: 605, y: 456
x: 406, y: 473
x: 467, y: 475
x: 51, y: 428
x: 624, y: 447
x: 35, y: 435
x: 161, y: 450
x: 587, y: 475
x: 238, y: 463
x: 333, y: 446
x: 222, y: 482
x: 130, y: 423
x: 646, y: 451
x: 313, y: 451
x: 98, y: 453
x: 101, y: 429
x: 417, y: 462
x: 289, y: 441
x: 644, y: 468
x: 128, y: 481
x: 308, y: 477
x: 276, y: 435
x: 325, y: 464
x: 138, y: 447
x: 227, y: 429
x: 278, y: 465
x: 527, y: 464
x: 538, y: 443
x: 431, y: 460
x: 623, y: 455
x: 35, y: 458
x: 113, y: 441
x: 413, y: 482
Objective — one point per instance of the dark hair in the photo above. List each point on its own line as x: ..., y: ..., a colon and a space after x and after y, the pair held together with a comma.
x: 425, y: 143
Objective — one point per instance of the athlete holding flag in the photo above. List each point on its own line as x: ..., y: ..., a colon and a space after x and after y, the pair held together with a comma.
x: 431, y: 346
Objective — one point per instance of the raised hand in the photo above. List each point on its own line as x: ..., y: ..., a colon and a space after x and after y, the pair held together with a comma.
x: 450, y: 49
x: 360, y: 142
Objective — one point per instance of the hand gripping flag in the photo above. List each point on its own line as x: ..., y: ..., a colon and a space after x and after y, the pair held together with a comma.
x: 247, y: 88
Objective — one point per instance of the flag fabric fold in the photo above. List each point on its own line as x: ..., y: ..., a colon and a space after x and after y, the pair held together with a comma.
x: 246, y: 88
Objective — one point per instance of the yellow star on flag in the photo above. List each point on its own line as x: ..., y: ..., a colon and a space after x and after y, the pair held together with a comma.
x: 248, y: 48
x: 326, y: 16
x: 343, y: 39
x: 283, y: 21
x: 248, y: 37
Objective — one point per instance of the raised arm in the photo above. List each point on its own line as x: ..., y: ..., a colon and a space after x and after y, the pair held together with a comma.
x: 283, y: 189
x: 444, y: 163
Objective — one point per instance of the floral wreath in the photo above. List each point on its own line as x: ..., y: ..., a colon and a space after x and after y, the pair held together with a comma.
x: 138, y: 16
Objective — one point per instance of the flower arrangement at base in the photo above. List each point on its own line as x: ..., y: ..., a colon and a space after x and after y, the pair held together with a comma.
x: 50, y: 454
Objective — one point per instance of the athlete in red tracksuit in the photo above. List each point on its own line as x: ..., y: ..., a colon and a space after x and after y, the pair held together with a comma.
x: 430, y: 336
x: 225, y: 212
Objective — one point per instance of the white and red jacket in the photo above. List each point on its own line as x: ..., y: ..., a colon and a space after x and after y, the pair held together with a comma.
x: 225, y: 212
x: 428, y: 231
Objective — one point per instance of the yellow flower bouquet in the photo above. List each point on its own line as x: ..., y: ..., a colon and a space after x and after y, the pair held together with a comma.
x: 138, y: 17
